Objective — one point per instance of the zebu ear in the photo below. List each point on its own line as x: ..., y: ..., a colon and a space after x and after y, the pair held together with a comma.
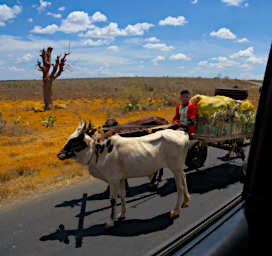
x: 84, y: 127
x: 90, y: 125
x: 90, y: 130
x: 81, y: 125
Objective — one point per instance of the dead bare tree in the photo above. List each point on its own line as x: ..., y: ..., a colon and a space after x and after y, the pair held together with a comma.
x: 48, y: 78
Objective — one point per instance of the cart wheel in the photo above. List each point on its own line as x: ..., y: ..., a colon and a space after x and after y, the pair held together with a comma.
x: 197, y: 155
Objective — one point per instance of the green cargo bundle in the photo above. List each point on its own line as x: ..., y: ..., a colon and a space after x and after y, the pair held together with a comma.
x: 223, y: 116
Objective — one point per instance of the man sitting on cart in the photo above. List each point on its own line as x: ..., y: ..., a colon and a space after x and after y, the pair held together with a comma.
x: 185, y: 113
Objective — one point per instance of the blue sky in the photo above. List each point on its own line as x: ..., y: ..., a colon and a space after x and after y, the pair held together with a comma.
x: 145, y: 38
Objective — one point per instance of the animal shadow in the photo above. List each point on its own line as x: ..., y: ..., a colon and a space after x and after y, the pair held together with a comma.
x: 127, y: 228
x: 218, y: 177
x: 132, y: 191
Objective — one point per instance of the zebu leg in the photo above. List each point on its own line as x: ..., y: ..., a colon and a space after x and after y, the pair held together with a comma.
x: 185, y: 190
x: 160, y: 175
x: 175, y: 213
x: 113, y: 200
x: 154, y: 178
x: 122, y: 215
x: 127, y: 186
x: 152, y: 186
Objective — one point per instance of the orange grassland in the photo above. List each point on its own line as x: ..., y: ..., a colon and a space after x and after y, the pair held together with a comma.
x: 28, y: 161
x: 28, y: 150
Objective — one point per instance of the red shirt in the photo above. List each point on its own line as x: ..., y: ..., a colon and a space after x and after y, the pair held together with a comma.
x: 191, y: 113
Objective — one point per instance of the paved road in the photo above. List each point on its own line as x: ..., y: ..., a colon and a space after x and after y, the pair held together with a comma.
x: 52, y: 225
x: 255, y: 83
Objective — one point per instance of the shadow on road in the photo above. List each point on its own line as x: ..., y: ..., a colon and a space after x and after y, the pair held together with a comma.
x: 201, y: 182
x: 132, y: 227
x: 133, y: 191
x: 218, y: 177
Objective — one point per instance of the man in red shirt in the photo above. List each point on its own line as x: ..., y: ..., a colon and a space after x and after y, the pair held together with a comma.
x: 185, y: 113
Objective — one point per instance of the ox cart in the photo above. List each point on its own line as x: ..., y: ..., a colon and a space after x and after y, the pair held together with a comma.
x: 233, y: 140
x: 231, y: 135
x: 198, y: 150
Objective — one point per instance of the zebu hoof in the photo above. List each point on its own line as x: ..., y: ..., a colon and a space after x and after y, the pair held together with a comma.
x: 108, y: 226
x: 120, y: 217
x: 107, y: 189
x: 185, y: 204
x: 152, y: 187
x: 173, y: 214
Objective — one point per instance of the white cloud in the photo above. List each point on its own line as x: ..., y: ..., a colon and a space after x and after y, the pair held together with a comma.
x: 179, y: 56
x: 233, y: 2
x: 98, y: 17
x: 43, y: 5
x: 203, y: 63
x: 15, y: 69
x: 30, y: 20
x: 249, y: 52
x: 243, y: 40
x: 220, y: 59
x: 178, y: 21
x: 194, y: 1
x: 76, y: 21
x: 25, y: 58
x: 138, y: 29
x: 246, y: 5
x: 219, y: 62
x: 157, y: 59
x: 224, y: 33
x: 159, y: 46
x: 62, y: 8
x: 50, y: 29
x: 7, y: 13
x: 255, y: 60
x: 90, y: 42
x: 246, y: 66
x: 152, y: 39
x: 223, y: 62
x: 112, y: 30
x: 55, y: 15
x: 113, y: 48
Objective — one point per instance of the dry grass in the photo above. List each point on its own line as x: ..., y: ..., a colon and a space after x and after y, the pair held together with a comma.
x: 118, y: 87
x: 28, y: 152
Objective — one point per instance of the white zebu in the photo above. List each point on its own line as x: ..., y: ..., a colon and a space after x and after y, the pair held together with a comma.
x: 119, y: 158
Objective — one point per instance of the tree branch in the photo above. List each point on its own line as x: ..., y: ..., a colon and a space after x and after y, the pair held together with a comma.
x: 39, y: 64
x: 55, y: 68
x: 46, y: 62
x: 45, y: 65
x: 61, y: 65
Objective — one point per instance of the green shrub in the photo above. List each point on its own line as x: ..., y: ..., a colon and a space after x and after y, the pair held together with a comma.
x: 128, y: 107
x: 49, y: 121
x: 19, y: 122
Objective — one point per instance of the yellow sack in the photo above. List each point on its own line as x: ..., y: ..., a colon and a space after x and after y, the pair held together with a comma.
x: 246, y: 105
x: 207, y: 105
